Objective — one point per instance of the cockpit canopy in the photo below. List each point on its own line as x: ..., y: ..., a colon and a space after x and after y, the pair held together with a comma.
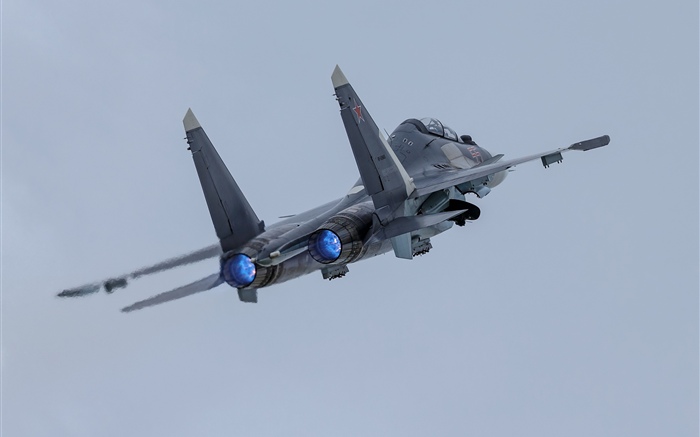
x: 434, y: 126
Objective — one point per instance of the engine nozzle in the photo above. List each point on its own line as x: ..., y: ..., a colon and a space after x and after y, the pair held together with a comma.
x: 340, y: 239
x: 239, y: 270
x: 325, y: 246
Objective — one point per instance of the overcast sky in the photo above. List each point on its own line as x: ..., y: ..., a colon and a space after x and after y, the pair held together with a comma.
x: 569, y: 308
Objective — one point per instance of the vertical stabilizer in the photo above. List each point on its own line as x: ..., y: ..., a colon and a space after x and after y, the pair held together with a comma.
x: 384, y: 177
x: 234, y: 220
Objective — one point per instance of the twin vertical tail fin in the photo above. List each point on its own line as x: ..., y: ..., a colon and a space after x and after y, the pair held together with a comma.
x: 384, y: 177
x: 234, y: 220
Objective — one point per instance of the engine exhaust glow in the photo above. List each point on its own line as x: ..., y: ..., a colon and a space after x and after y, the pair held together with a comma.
x: 239, y: 271
x: 327, y: 245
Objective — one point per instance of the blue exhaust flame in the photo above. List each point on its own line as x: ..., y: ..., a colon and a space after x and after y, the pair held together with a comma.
x: 328, y: 245
x: 239, y: 271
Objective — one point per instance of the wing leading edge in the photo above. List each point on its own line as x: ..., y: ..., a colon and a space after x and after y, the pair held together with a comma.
x: 440, y: 182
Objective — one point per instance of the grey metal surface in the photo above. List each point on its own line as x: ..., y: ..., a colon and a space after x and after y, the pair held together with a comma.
x: 591, y: 144
x: 430, y: 184
x: 403, y: 225
x: 248, y: 295
x: 234, y: 220
x: 385, y: 179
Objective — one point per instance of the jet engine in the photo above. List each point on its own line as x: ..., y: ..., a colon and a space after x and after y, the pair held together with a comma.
x: 240, y: 270
x: 339, y: 239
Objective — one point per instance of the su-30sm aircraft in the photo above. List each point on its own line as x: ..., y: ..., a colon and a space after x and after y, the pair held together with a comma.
x: 412, y: 187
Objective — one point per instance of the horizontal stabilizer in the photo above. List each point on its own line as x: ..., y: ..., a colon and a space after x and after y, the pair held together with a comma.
x: 114, y: 283
x: 196, y: 287
x: 196, y: 256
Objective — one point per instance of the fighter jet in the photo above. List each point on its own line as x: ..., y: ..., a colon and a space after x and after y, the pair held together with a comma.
x: 412, y: 187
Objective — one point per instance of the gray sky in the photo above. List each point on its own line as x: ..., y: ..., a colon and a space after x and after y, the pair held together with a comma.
x: 569, y: 308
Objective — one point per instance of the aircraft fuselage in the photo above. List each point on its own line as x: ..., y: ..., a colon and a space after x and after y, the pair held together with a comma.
x: 419, y: 152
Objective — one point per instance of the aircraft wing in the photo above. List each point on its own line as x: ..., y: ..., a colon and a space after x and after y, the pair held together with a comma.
x: 122, y: 281
x: 430, y: 184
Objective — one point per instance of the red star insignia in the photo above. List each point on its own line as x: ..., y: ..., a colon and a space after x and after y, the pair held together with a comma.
x: 358, y: 111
